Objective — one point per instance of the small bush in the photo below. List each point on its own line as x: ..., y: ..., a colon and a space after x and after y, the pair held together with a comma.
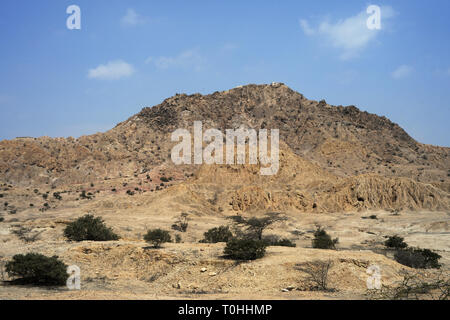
x: 157, y: 237
x: 215, y: 235
x: 89, y: 228
x: 418, y: 258
x: 415, y: 286
x: 317, y: 272
x: 164, y: 179
x: 322, y: 240
x: 37, y: 269
x: 278, y: 242
x: 245, y: 249
x: 57, y: 195
x: 87, y: 196
x: 284, y: 243
x: 182, y: 223
x: 395, y: 242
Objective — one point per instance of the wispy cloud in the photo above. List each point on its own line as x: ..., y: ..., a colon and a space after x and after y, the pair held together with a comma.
x: 190, y: 59
x: 304, y: 24
x: 402, y: 71
x: 113, y: 70
x: 132, y: 18
x: 350, y: 36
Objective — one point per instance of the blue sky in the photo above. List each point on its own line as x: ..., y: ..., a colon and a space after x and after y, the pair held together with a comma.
x: 131, y: 54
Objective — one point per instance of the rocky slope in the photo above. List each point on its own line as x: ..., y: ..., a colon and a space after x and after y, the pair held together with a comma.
x: 333, y: 158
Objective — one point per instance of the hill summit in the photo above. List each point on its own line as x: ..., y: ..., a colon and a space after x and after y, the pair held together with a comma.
x: 332, y: 158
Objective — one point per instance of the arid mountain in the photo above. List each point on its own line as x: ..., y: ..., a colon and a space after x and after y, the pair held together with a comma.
x: 333, y: 158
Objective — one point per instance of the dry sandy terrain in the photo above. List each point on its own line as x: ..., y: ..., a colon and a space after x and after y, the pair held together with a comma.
x: 131, y: 269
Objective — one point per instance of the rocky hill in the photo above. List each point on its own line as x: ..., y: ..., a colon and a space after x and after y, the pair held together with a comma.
x: 333, y: 158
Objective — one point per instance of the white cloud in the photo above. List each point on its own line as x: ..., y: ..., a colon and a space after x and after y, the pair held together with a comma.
x: 131, y: 18
x: 113, y: 70
x: 350, y: 35
x: 306, y: 28
x: 402, y: 71
x: 186, y: 59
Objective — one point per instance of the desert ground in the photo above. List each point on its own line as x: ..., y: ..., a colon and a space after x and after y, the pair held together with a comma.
x: 132, y: 269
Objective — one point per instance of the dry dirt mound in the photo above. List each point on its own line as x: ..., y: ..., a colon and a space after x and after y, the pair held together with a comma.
x: 200, y: 268
x: 373, y: 192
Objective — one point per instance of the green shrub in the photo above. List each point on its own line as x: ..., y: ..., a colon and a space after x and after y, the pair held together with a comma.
x: 322, y: 240
x: 157, y: 237
x: 245, y: 249
x: 37, y: 269
x: 218, y: 234
x: 89, y: 228
x: 418, y: 258
x: 395, y: 242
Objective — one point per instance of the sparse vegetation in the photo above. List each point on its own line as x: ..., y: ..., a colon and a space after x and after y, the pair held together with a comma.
x: 245, y: 249
x: 395, y: 242
x: 415, y: 286
x: 182, y: 223
x: 26, y: 234
x: 322, y: 240
x: 418, y: 258
x: 317, y: 272
x: 157, y: 237
x: 37, y: 269
x: 278, y: 242
x: 57, y: 195
x: 218, y: 234
x: 254, y: 227
x: 91, y: 228
x: 87, y: 196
